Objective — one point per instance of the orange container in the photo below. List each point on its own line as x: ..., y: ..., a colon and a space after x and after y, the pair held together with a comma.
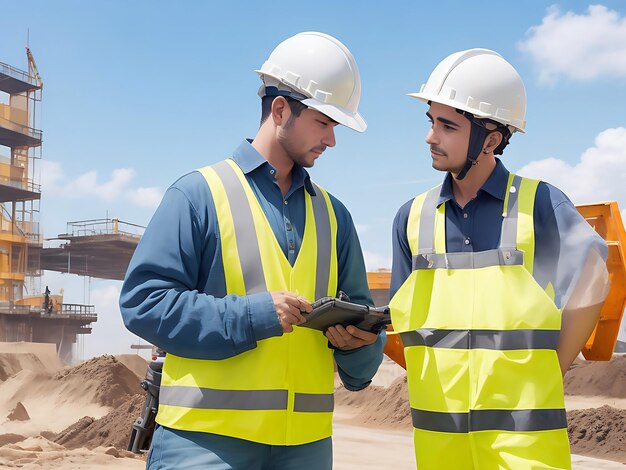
x: 606, y: 219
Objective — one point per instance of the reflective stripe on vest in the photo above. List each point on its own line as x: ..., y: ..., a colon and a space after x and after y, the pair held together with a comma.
x: 244, y: 399
x: 246, y: 237
x: 279, y: 392
x: 488, y: 420
x: 500, y: 340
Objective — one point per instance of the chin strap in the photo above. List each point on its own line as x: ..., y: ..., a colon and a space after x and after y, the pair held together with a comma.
x: 478, y: 134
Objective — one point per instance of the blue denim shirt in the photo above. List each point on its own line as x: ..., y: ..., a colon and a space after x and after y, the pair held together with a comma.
x: 174, y: 294
x: 477, y: 226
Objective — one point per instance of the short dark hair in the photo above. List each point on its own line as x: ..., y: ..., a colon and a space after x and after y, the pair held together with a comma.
x: 296, y: 108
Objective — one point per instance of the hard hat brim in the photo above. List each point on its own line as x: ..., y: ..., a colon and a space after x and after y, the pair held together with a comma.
x: 352, y: 120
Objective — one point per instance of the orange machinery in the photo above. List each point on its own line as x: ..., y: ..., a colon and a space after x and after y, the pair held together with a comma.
x: 606, y: 219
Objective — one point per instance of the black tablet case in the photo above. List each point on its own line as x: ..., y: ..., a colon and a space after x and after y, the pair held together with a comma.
x: 330, y: 311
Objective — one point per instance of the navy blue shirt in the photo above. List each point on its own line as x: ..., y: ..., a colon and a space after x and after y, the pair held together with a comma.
x: 477, y: 227
x: 174, y: 294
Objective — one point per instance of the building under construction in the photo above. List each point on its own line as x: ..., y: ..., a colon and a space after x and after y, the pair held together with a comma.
x: 27, y: 313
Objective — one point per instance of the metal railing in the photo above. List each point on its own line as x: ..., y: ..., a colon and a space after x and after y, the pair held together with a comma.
x: 18, y: 74
x: 15, y: 127
x: 27, y: 184
x: 104, y: 227
x: 78, y: 310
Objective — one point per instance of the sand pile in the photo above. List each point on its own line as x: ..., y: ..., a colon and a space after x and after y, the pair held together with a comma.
x: 105, y: 379
x: 386, y: 407
x: 37, y: 357
x: 54, y: 401
x: 112, y: 430
x: 39, y: 453
x: 601, y: 378
x: 53, y: 418
x: 135, y: 363
x: 598, y: 432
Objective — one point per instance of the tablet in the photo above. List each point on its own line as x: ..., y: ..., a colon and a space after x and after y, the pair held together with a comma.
x: 330, y: 311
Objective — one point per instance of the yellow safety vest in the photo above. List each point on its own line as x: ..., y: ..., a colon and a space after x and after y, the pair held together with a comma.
x: 281, y: 392
x: 480, y: 339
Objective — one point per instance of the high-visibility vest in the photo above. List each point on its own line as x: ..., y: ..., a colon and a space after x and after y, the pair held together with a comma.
x: 281, y: 392
x: 480, y: 337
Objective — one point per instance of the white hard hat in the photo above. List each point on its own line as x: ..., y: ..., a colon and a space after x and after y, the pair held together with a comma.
x: 323, y: 70
x: 480, y: 82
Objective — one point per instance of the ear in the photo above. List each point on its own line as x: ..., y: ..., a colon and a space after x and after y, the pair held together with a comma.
x: 492, y: 141
x: 280, y: 111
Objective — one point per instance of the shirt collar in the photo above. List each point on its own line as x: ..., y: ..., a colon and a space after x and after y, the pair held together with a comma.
x: 249, y: 159
x: 495, y: 185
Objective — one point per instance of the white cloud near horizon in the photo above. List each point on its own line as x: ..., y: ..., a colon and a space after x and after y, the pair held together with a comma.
x: 117, y: 187
x: 376, y: 261
x: 598, y: 176
x: 578, y: 46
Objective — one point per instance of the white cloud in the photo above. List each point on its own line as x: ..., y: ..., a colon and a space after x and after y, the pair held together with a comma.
x: 361, y: 228
x: 598, y: 176
x: 376, y: 261
x: 145, y: 197
x: 580, y: 47
x: 55, y: 182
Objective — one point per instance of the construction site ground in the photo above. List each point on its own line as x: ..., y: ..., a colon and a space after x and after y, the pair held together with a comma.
x: 72, y: 418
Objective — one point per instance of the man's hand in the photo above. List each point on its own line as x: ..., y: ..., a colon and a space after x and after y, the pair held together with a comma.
x: 350, y: 337
x: 289, y: 308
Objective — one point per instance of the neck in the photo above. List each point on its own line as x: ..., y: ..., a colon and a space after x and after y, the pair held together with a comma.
x: 266, y: 144
x: 466, y: 189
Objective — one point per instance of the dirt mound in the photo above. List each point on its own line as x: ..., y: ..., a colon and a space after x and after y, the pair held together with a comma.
x: 18, y: 413
x: 598, y: 432
x: 104, y: 378
x: 110, y: 430
x: 386, y: 407
x: 27, y: 356
x: 135, y: 363
x: 597, y: 378
x: 11, y: 364
x: 10, y: 438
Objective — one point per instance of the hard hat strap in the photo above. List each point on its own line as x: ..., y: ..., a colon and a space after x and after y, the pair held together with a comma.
x: 274, y: 91
x: 478, y: 133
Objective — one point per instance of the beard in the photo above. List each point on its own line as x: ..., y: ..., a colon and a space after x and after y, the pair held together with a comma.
x: 295, y: 151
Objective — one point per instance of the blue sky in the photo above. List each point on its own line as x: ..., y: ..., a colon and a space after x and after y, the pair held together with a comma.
x: 139, y: 93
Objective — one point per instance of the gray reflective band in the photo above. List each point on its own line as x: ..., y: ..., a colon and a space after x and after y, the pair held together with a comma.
x: 324, y: 241
x: 490, y: 420
x: 426, y: 240
x: 508, y: 235
x: 209, y: 398
x: 245, y: 233
x: 468, y: 259
x: 500, y: 340
x: 314, y: 402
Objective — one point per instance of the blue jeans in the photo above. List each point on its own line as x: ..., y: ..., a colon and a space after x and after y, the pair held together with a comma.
x: 181, y: 450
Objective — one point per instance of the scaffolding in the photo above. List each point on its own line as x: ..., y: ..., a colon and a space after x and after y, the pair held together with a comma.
x: 25, y: 313
x: 100, y: 248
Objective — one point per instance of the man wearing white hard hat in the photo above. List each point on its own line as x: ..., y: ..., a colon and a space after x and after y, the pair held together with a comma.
x: 497, y: 282
x: 233, y: 257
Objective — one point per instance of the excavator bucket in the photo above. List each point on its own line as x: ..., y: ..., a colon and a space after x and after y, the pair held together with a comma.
x: 606, y: 219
